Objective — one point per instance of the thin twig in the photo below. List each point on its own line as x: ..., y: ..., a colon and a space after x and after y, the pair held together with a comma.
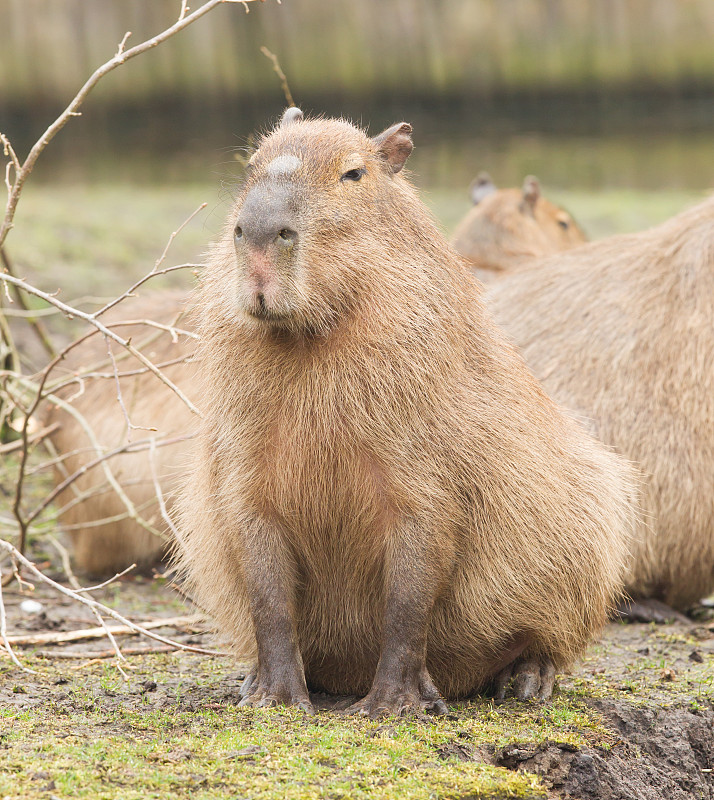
x: 159, y: 494
x: 281, y: 75
x: 108, y: 580
x: 120, y: 397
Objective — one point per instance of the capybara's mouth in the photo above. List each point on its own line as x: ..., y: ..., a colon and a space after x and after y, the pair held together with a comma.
x: 262, y: 312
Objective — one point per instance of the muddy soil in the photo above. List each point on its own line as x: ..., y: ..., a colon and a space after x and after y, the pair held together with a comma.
x: 651, y: 685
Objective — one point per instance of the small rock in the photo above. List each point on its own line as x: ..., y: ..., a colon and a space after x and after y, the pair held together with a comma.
x: 668, y: 675
x: 696, y: 656
x: 174, y: 756
x: 148, y: 686
x: 644, y: 651
x: 246, y: 752
x: 701, y: 632
x: 30, y: 607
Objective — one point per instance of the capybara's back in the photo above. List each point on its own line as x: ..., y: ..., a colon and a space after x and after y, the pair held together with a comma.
x: 622, y: 332
x: 111, y: 510
x: 382, y: 495
x: 506, y: 229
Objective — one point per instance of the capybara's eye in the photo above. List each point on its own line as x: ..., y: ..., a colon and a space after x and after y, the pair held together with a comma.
x: 564, y: 223
x: 238, y: 232
x: 286, y: 234
x: 354, y: 174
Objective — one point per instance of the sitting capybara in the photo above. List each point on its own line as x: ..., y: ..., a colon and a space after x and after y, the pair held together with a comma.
x: 105, y: 536
x: 622, y: 332
x: 508, y: 228
x: 383, y: 499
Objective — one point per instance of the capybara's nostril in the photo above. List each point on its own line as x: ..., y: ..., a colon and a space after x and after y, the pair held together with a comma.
x: 261, y: 301
x: 287, y: 235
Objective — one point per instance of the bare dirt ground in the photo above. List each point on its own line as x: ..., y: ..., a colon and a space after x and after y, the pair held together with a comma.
x: 649, y: 688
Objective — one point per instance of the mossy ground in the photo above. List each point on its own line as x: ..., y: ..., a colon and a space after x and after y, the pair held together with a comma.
x: 77, y: 729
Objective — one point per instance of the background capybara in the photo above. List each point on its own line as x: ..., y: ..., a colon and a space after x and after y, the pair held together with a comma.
x: 508, y: 228
x: 106, y: 547
x: 382, y: 494
x: 622, y: 332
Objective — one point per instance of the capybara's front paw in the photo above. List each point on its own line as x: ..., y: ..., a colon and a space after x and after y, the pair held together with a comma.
x: 529, y: 678
x: 386, y: 698
x: 248, y: 682
x: 258, y: 694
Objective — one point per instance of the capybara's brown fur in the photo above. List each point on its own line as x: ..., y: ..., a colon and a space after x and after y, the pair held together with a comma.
x: 508, y: 228
x: 622, y: 332
x: 381, y: 492
x: 105, y: 548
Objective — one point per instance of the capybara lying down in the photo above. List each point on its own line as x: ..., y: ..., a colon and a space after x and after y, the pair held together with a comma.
x: 383, y: 501
x: 105, y: 537
x: 507, y: 228
x: 622, y: 332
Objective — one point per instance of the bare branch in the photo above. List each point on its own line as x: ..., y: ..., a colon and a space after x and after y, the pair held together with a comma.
x: 155, y: 271
x: 61, y: 637
x: 38, y: 436
x: 3, y: 635
x: 119, y: 58
x: 90, y: 318
x: 13, y: 551
x: 64, y: 555
x: 37, y: 326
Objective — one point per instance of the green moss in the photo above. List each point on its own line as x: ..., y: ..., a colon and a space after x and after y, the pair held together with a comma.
x: 97, y: 736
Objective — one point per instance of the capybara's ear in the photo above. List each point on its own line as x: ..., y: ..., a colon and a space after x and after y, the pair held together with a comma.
x: 395, y: 145
x: 482, y: 186
x: 290, y: 115
x: 531, y: 193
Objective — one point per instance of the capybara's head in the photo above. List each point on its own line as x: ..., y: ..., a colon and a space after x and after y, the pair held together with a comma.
x: 318, y: 192
x: 508, y: 227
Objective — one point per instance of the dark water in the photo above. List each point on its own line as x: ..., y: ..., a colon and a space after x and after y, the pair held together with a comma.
x: 584, y: 143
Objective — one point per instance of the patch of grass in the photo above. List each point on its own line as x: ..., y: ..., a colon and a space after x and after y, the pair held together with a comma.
x: 88, y: 734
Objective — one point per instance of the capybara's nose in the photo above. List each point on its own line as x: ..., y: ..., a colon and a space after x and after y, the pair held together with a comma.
x: 266, y: 217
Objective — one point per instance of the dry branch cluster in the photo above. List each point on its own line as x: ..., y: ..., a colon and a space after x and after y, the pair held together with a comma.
x: 24, y: 444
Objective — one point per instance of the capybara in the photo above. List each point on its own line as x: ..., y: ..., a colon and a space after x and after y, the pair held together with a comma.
x: 383, y: 499
x: 105, y: 538
x: 621, y: 331
x: 507, y: 228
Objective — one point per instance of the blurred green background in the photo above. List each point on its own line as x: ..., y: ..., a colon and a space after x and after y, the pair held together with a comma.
x: 609, y: 102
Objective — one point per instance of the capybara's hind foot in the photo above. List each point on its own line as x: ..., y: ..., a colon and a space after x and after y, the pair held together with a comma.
x: 529, y: 679
x: 649, y: 610
x: 254, y: 694
x: 386, y: 699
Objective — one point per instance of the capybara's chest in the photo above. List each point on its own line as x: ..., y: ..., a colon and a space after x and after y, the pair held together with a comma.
x: 326, y: 484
